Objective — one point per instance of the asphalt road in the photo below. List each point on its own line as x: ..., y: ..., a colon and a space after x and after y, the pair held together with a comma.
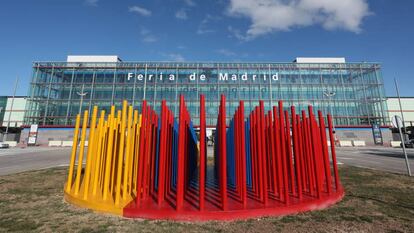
x: 16, y: 160
x: 379, y: 158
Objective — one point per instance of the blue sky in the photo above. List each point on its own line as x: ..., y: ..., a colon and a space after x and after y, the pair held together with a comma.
x: 195, y: 30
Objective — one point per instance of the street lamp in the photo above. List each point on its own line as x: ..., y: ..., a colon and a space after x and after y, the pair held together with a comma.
x: 1, y: 120
x: 330, y: 94
x: 81, y: 94
x: 11, y: 110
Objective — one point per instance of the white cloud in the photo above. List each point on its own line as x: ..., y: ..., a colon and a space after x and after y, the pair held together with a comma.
x: 140, y: 10
x: 236, y: 33
x: 203, y: 26
x: 181, y: 14
x: 226, y: 52
x: 149, y: 39
x: 147, y: 36
x: 91, y: 2
x: 174, y: 57
x: 269, y: 16
x: 189, y: 2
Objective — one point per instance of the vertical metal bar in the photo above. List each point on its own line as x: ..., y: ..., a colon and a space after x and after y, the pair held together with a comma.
x: 81, y: 152
x: 283, y: 153
x: 48, y: 95
x: 141, y: 150
x: 70, y: 97
x: 145, y: 80
x: 223, y: 155
x: 401, y: 110
x: 113, y: 87
x: 345, y: 99
x: 325, y: 152
x: 180, y: 155
x: 289, y: 154
x: 263, y: 153
x: 162, y: 153
x: 300, y: 152
x: 273, y: 153
x: 121, y: 152
x: 11, y: 110
x: 92, y: 91
x: 90, y: 153
x: 111, y: 122
x: 296, y: 151
x: 203, y: 150
x: 270, y: 89
x: 176, y: 91
x: 259, y: 153
x: 403, y: 146
x: 243, y: 156
x: 333, y: 153
x: 278, y: 152
x: 133, y: 88
x: 155, y: 88
x: 73, y: 155
x: 100, y: 155
x: 365, y: 96
x: 315, y: 155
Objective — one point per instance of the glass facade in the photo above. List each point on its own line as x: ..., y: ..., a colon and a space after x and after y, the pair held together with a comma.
x: 352, y: 92
x: 3, y: 104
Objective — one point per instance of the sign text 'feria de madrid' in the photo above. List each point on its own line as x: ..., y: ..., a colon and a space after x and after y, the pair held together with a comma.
x: 203, y: 77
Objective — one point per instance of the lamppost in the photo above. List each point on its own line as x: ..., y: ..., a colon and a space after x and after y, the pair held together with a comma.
x: 81, y: 94
x: 11, y: 110
x: 330, y: 94
x: 401, y: 110
x: 1, y: 119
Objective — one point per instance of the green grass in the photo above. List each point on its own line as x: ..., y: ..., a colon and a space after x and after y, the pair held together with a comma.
x: 375, y: 202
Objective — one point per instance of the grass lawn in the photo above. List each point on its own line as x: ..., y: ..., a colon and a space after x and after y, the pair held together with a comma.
x: 375, y: 202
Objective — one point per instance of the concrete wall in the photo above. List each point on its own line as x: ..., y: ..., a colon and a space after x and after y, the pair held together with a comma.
x: 48, y: 134
x: 11, y: 137
x: 363, y: 134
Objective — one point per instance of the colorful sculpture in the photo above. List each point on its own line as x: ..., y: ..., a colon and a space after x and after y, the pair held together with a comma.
x: 150, y: 166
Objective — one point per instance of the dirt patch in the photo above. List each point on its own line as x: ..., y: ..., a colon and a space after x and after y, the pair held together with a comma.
x: 374, y: 202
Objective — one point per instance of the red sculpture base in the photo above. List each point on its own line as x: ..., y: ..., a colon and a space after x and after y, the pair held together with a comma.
x: 149, y: 209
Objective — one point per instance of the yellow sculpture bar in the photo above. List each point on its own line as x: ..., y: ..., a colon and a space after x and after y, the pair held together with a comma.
x: 105, y: 182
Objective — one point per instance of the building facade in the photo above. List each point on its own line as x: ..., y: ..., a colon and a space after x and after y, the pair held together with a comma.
x: 407, y: 104
x: 352, y: 92
x: 12, y: 111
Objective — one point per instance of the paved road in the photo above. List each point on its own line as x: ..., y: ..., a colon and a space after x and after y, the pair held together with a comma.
x: 16, y: 160
x: 380, y: 158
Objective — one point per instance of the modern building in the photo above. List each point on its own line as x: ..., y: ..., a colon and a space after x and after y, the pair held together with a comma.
x: 407, y: 104
x: 12, y: 111
x: 352, y: 92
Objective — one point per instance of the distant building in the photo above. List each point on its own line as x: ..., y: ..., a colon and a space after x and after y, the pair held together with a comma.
x: 17, y: 111
x: 12, y: 109
x: 407, y: 104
